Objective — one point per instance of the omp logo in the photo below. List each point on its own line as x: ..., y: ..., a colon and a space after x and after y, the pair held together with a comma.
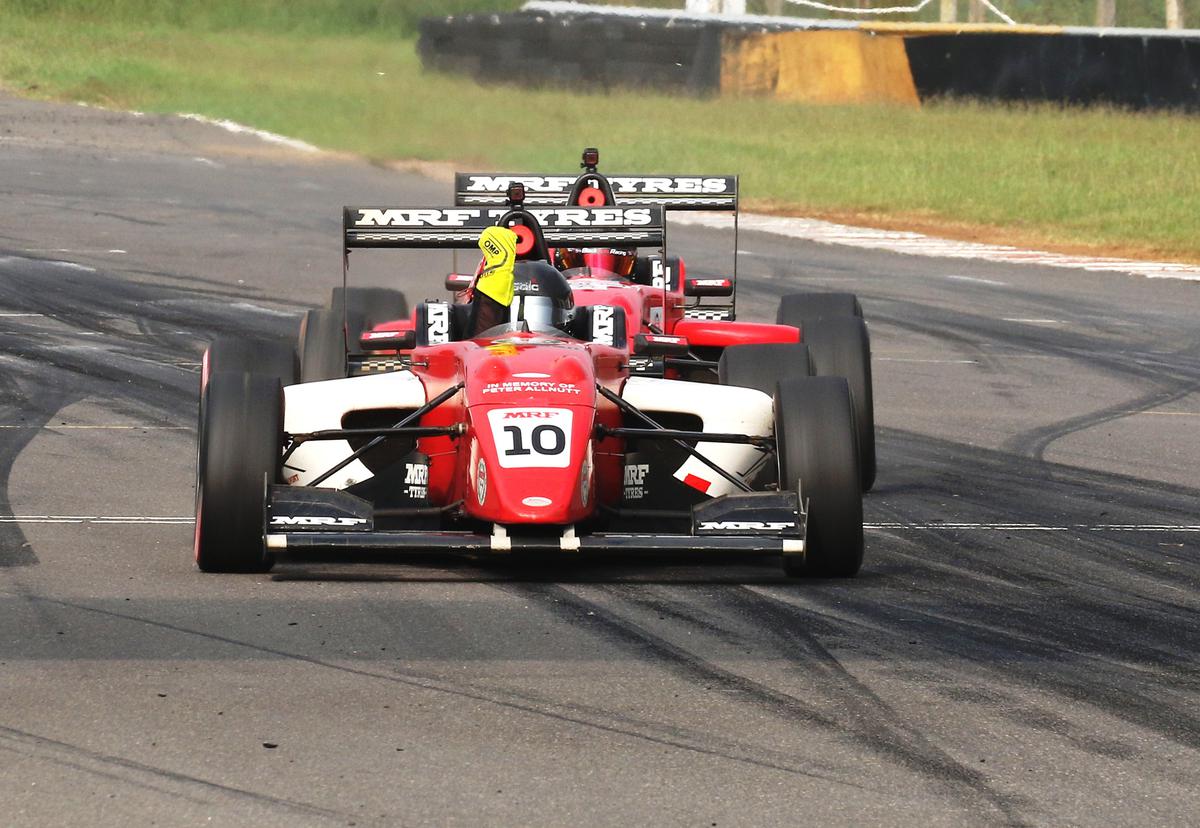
x: 416, y: 474
x: 534, y: 184
x: 603, y: 325
x: 746, y: 525
x: 398, y: 217
x: 288, y: 520
x: 437, y: 323
x: 491, y: 247
x: 677, y: 184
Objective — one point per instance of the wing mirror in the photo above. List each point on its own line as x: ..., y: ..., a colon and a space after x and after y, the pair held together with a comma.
x: 708, y: 287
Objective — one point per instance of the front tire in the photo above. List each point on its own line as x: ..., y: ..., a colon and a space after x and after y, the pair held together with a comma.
x: 818, y: 456
x: 240, y: 438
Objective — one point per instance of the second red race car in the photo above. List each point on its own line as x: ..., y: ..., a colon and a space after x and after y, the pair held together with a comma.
x: 821, y: 332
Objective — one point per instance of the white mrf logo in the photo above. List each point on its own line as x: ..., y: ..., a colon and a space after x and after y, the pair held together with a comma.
x: 287, y: 520
x: 635, y: 474
x: 662, y: 276
x: 532, y: 183
x: 397, y: 217
x: 676, y: 184
x: 437, y: 323
x: 746, y: 525
x: 603, y: 325
x: 594, y: 217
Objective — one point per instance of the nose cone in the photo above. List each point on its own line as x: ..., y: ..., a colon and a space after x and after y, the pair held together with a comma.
x: 531, y: 412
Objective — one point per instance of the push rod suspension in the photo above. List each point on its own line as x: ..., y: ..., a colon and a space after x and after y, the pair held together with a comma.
x: 416, y: 415
x: 632, y: 409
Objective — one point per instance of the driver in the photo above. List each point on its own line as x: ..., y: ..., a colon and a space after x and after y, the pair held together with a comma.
x: 602, y: 261
x: 507, y: 290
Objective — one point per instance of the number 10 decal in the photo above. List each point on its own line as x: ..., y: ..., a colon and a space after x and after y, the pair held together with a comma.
x: 532, y: 438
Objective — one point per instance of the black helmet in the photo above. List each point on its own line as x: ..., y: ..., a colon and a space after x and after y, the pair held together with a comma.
x: 541, y: 297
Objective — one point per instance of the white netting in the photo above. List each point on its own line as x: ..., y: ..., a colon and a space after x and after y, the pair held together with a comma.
x: 815, y: 4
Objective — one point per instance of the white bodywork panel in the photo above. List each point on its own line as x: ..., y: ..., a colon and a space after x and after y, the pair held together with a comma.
x: 723, y: 409
x: 315, y: 406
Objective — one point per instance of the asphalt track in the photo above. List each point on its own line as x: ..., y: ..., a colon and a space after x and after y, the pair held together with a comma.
x: 1019, y: 649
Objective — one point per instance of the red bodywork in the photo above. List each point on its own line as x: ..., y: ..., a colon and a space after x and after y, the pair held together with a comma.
x: 518, y: 383
x: 649, y: 309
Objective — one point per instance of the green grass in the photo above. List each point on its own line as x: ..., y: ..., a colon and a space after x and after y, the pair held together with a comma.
x: 1100, y: 179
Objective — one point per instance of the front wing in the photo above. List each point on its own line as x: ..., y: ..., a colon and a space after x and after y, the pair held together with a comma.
x: 323, y: 520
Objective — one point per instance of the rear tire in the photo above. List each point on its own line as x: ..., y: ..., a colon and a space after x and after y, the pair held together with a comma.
x: 323, y: 343
x: 841, y: 347
x: 239, y: 443
x: 794, y: 308
x: 375, y: 304
x: 818, y: 456
x: 274, y: 358
x: 761, y: 367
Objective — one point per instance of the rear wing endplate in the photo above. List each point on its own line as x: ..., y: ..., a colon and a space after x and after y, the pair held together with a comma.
x: 671, y: 192
x: 459, y: 227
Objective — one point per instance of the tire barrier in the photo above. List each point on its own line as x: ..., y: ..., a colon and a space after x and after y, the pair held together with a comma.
x: 583, y: 51
x: 1131, y: 71
x: 604, y: 47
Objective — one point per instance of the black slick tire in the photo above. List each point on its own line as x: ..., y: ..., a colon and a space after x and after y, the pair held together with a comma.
x: 322, y: 343
x: 376, y: 305
x: 818, y: 455
x: 238, y: 453
x: 761, y: 367
x: 841, y: 347
x: 794, y: 308
x: 275, y: 358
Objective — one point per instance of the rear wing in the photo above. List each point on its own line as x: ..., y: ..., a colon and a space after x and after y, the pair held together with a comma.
x: 671, y: 192
x: 459, y: 227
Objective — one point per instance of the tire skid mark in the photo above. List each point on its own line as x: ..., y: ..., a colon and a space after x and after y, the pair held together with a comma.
x: 1172, y: 376
x: 927, y: 760
x: 1089, y: 632
x: 96, y: 763
x: 675, y: 736
x: 592, y: 718
x: 41, y: 375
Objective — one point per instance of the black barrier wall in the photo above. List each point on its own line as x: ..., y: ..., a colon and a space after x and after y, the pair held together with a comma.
x: 585, y: 50
x: 603, y: 51
x: 1123, y: 70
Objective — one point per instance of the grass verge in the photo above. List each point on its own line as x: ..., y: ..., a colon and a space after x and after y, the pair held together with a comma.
x: 1097, y: 181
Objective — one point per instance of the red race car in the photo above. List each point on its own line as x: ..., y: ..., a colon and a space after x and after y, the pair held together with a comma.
x: 825, y: 331
x: 535, y: 435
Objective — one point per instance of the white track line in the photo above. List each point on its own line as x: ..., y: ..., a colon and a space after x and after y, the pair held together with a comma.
x: 262, y: 134
x: 931, y: 526
x: 52, y: 427
x: 939, y: 526
x: 916, y: 244
x: 825, y: 232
